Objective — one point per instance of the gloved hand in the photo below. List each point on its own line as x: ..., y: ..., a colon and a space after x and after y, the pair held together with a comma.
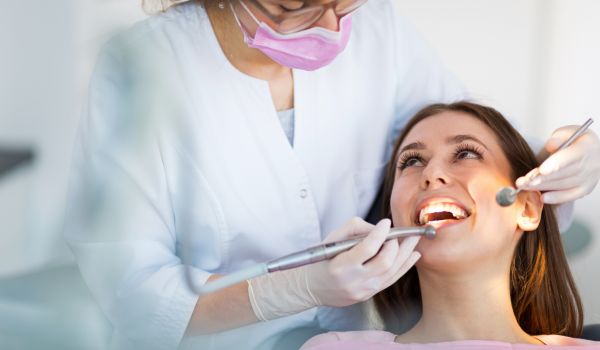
x: 350, y: 277
x: 366, y: 269
x: 568, y: 174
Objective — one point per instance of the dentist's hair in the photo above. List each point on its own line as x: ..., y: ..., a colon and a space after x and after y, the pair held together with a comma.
x: 155, y: 6
x: 544, y: 296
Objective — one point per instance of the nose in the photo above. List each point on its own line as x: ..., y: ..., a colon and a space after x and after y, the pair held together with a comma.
x: 434, y: 176
x: 329, y: 20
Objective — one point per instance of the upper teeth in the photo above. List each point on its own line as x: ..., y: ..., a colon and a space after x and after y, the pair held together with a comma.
x: 456, y: 211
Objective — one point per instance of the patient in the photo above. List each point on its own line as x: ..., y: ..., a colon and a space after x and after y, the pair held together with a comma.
x: 493, y: 277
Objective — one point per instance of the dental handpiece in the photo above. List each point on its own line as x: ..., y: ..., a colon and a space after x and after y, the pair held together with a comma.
x: 329, y: 250
x: 507, y: 195
x: 304, y: 257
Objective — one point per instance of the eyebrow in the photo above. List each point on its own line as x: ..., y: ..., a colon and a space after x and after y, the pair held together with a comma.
x: 411, y: 146
x: 451, y: 140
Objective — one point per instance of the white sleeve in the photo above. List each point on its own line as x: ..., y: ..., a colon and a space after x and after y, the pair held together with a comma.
x: 119, y: 222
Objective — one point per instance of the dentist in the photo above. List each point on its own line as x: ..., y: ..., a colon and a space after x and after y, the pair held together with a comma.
x: 257, y: 128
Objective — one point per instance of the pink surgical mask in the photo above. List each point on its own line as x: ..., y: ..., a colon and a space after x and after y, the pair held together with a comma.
x: 308, y: 49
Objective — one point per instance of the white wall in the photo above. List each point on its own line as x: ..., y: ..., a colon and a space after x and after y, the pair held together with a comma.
x: 47, y: 51
x: 36, y: 110
x: 490, y: 45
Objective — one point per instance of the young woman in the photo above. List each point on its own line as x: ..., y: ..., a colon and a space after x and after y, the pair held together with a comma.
x: 494, y: 277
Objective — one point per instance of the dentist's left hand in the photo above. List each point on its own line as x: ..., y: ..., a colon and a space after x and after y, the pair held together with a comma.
x: 364, y: 270
x: 349, y: 278
x: 568, y: 174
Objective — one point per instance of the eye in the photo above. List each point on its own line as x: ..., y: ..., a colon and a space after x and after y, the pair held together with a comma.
x: 466, y: 151
x: 410, y: 159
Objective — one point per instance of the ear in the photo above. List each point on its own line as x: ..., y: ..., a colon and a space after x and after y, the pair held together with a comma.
x: 530, y: 214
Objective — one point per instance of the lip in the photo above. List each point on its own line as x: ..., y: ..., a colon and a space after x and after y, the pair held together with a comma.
x: 445, y: 223
x: 439, y: 199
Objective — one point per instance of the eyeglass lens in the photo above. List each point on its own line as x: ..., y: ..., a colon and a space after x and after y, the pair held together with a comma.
x: 297, y: 20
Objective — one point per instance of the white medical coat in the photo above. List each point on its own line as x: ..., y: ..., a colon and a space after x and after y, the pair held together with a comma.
x: 176, y: 141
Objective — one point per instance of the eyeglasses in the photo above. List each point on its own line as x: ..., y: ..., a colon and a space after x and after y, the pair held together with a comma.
x: 291, y: 21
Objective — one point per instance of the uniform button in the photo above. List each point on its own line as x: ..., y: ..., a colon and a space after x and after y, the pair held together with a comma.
x: 303, y: 193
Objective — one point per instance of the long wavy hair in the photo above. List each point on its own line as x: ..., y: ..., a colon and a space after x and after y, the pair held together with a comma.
x: 543, y: 294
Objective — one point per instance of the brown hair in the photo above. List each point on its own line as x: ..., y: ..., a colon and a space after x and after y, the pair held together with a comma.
x: 544, y: 296
x: 152, y: 7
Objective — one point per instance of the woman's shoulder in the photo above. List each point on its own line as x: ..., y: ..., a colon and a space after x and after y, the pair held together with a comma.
x: 561, y: 340
x: 362, y: 339
x: 356, y: 337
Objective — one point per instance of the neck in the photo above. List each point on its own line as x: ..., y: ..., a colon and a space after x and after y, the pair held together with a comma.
x: 231, y: 39
x: 473, y: 306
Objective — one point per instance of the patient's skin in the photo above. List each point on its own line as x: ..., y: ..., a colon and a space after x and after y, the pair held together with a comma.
x: 464, y: 271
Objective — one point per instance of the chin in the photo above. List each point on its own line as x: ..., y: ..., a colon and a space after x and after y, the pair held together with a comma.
x: 441, y: 254
x: 449, y: 248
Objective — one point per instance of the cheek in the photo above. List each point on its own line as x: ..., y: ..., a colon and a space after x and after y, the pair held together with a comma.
x: 399, y: 202
x: 489, y: 213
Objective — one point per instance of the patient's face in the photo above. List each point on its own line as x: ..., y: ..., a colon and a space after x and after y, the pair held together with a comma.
x: 449, y: 168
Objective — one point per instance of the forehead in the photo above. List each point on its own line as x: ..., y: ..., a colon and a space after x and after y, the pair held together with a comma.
x: 435, y: 131
x: 436, y: 128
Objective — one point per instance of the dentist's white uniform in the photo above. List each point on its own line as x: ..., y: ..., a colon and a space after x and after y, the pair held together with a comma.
x: 205, y: 154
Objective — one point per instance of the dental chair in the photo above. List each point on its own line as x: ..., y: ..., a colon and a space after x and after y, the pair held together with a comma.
x: 591, y: 332
x: 50, y: 308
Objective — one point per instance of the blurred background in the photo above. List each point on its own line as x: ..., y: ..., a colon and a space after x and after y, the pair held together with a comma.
x: 534, y: 60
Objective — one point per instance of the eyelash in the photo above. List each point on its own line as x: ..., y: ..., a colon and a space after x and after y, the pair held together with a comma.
x: 465, y: 147
x: 407, y: 156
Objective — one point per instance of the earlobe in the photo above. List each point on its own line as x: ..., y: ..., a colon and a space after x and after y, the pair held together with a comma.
x: 531, y: 211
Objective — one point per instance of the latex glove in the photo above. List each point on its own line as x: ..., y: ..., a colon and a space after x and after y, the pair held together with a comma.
x: 350, y: 277
x: 366, y: 269
x: 568, y: 174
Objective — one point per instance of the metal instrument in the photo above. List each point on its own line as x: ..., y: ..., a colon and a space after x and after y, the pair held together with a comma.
x: 307, y: 256
x: 507, y: 195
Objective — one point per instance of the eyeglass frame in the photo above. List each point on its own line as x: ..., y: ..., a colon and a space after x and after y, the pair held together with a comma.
x: 278, y: 19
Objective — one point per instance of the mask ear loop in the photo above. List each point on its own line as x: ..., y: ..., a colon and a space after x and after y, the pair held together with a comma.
x: 235, y: 15
x: 247, y: 10
x: 247, y: 37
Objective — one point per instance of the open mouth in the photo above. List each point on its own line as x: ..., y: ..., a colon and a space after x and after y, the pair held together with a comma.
x: 441, y: 212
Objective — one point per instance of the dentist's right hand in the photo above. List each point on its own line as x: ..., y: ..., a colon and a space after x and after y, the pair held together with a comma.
x: 351, y: 277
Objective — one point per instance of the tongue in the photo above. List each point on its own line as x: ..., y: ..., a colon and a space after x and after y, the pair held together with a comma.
x: 444, y: 215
